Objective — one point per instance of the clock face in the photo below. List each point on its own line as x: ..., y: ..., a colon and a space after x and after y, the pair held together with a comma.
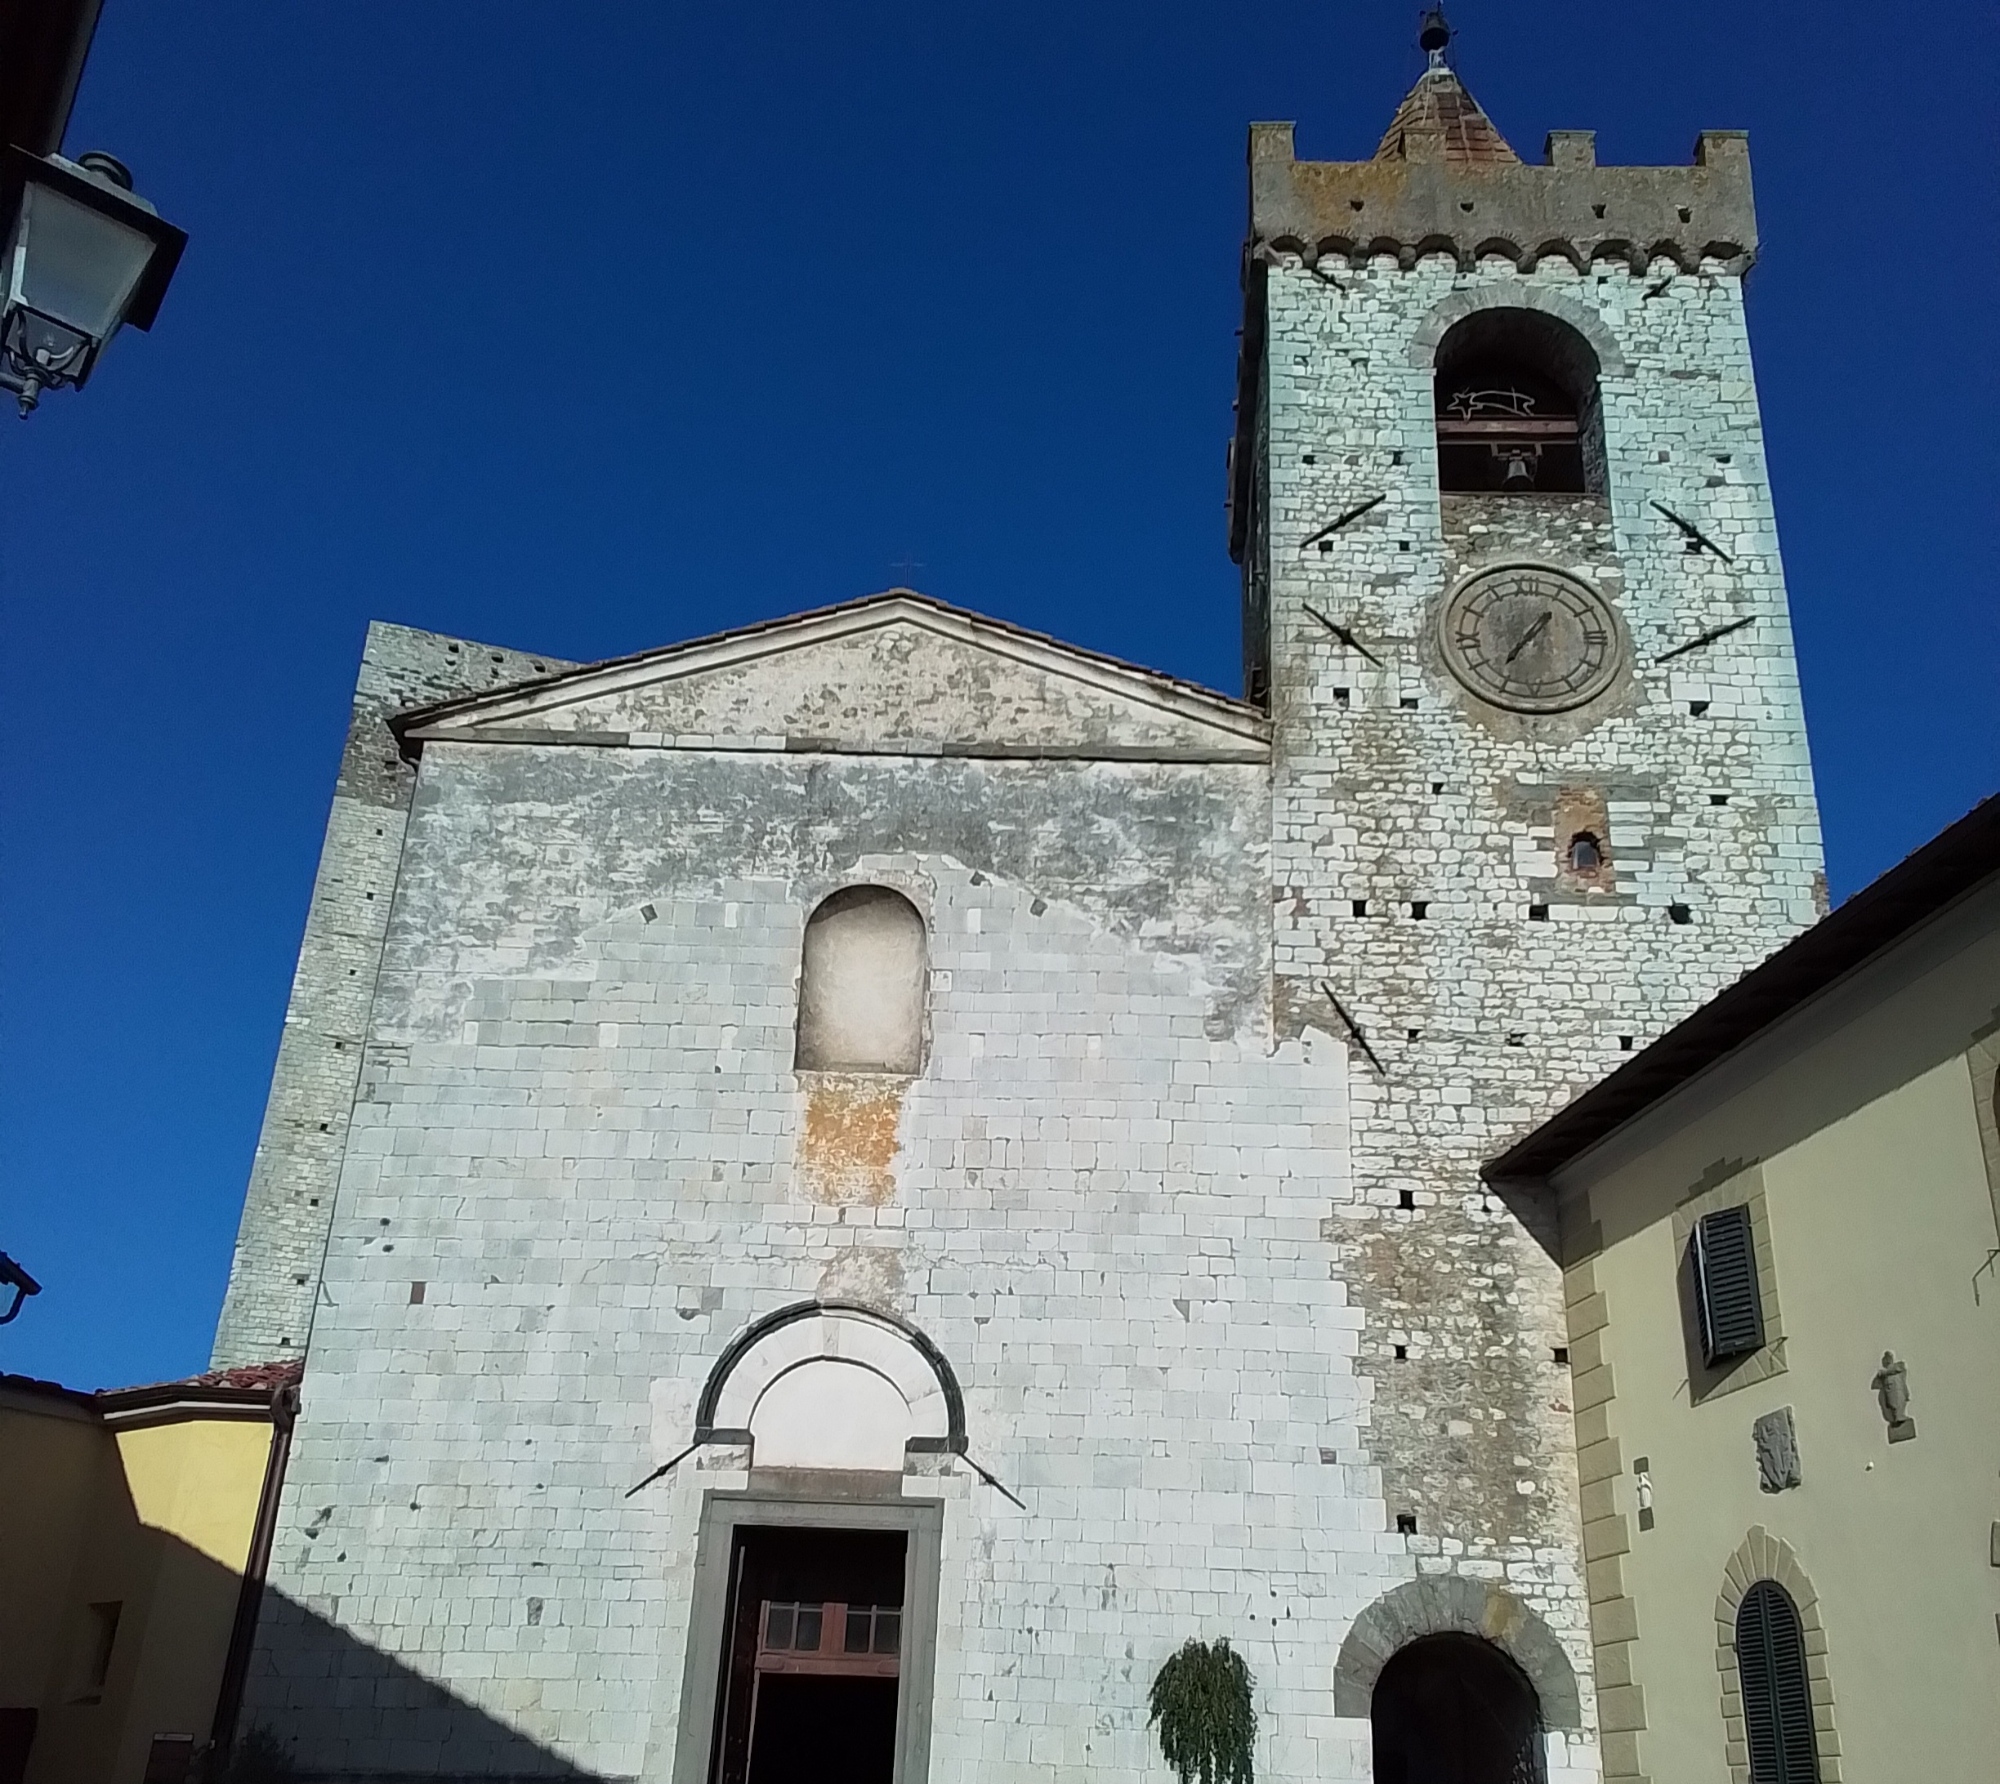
x: 1530, y: 638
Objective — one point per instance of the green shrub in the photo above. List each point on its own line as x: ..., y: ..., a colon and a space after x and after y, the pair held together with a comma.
x: 1207, y: 1722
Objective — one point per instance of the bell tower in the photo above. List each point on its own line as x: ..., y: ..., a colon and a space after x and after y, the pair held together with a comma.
x: 1513, y: 598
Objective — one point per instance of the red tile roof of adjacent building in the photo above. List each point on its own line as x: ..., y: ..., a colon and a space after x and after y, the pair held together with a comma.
x: 285, y: 1374
x: 251, y: 1379
x: 1443, y: 122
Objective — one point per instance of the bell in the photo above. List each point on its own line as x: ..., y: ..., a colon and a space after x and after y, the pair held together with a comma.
x: 1520, y: 472
x: 1434, y: 33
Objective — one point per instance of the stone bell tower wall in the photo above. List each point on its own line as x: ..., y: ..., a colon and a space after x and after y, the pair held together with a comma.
x: 1417, y: 828
x: 274, y: 1273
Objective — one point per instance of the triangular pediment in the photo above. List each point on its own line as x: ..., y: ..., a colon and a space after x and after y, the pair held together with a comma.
x: 896, y: 674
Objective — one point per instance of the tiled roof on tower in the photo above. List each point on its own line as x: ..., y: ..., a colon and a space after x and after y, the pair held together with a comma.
x: 1438, y: 119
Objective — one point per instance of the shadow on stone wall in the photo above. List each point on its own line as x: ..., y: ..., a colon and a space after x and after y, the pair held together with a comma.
x: 1534, y: 1206
x: 344, y: 1712
x: 337, y: 1708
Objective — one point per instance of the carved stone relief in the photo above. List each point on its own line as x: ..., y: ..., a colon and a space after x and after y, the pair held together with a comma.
x: 1777, y: 1441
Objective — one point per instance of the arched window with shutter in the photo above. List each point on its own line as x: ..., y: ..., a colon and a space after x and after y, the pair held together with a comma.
x: 1777, y: 1693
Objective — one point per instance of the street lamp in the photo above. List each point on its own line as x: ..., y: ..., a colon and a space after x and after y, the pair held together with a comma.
x: 85, y: 255
x: 14, y: 1277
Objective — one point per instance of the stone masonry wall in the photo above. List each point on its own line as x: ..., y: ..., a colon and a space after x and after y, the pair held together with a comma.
x: 274, y: 1273
x: 579, y: 1131
x: 1415, y: 836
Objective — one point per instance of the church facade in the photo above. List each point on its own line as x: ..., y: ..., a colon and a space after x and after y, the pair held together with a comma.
x: 847, y: 1187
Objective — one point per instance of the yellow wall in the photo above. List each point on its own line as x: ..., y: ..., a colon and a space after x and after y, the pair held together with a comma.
x: 155, y: 1517
x: 49, y: 1463
x: 1862, y: 1112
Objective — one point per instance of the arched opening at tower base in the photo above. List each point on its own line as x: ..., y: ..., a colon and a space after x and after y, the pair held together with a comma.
x: 1453, y: 1709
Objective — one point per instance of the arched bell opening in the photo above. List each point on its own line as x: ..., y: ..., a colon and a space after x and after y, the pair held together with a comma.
x: 1454, y: 1709
x: 1517, y: 407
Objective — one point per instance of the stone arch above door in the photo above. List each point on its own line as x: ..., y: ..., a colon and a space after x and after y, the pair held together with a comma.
x: 832, y: 1384
x: 1441, y: 1604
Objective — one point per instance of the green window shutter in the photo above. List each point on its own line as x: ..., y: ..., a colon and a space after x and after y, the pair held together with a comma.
x: 1729, y: 1309
x: 1777, y: 1699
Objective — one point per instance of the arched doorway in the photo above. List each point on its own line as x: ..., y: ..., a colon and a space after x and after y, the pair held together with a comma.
x: 1454, y: 1709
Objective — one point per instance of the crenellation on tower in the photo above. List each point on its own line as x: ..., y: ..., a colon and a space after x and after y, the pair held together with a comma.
x: 1426, y: 190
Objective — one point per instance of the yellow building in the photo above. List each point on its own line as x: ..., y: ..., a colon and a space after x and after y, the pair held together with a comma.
x: 1781, y: 1234
x: 134, y: 1526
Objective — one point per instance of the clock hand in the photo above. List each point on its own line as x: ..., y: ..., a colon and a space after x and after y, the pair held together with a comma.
x: 1343, y: 634
x: 1353, y: 1027
x: 1696, y: 539
x: 1708, y: 637
x: 1532, y: 633
x: 1348, y: 519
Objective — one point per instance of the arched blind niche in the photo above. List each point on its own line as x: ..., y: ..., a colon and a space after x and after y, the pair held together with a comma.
x: 862, y: 984
x: 1517, y: 407
x: 1777, y: 1698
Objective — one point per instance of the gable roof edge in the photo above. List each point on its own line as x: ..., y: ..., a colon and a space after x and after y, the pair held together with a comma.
x: 767, y: 637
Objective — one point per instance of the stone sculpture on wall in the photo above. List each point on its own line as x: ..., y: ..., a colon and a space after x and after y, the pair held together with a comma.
x: 1777, y: 1442
x: 1892, y: 1394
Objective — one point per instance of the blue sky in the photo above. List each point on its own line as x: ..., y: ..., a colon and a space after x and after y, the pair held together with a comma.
x: 590, y: 326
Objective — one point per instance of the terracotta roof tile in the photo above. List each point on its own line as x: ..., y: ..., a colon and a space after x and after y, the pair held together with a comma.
x: 1440, y: 121
x: 284, y: 1374
x: 254, y: 1377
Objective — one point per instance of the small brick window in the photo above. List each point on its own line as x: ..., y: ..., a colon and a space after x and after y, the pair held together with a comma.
x: 1586, y: 853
